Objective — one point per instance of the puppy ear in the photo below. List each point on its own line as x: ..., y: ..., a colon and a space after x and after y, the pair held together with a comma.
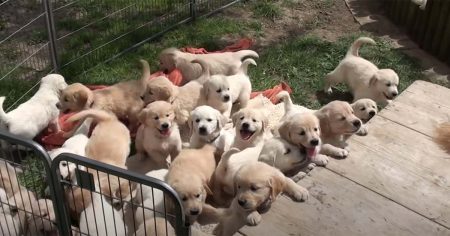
x: 142, y: 116
x: 284, y: 130
x: 205, y: 91
x: 276, y: 184
x: 373, y: 80
x: 324, y: 121
x: 221, y: 120
x: 165, y: 93
x: 190, y: 125
x: 265, y: 123
x: 236, y: 117
x: 208, y: 190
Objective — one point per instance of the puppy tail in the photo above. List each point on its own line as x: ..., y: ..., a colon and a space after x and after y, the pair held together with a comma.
x: 3, y: 117
x: 226, y: 155
x: 286, y: 99
x: 246, y: 53
x: 245, y: 63
x: 206, y: 71
x: 145, y: 70
x: 354, y: 49
x: 442, y: 137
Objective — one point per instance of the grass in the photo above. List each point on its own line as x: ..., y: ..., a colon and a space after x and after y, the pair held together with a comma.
x: 33, y: 177
x: 267, y: 9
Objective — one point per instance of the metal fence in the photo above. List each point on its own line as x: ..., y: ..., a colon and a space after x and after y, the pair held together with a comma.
x: 38, y: 37
x: 73, y: 195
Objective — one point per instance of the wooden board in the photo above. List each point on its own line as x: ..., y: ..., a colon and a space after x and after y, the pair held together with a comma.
x: 338, y: 206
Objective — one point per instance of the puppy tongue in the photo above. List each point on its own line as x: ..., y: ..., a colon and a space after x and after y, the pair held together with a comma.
x: 311, y: 152
x: 246, y: 134
x: 165, y: 132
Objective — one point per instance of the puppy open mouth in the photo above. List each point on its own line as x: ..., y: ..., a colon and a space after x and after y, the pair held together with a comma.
x: 310, y: 152
x: 164, y: 132
x: 246, y: 134
x: 388, y: 97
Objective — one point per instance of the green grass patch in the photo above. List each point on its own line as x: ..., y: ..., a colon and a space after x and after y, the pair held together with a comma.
x: 267, y: 9
x: 33, y: 176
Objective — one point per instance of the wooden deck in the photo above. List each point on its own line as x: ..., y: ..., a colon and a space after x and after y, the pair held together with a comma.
x: 396, y: 181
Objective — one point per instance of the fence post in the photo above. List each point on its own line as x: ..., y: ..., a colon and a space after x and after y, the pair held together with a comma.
x: 193, y: 9
x: 51, y: 34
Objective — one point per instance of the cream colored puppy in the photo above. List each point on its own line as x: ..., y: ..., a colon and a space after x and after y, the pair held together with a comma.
x: 34, y: 115
x: 251, y: 126
x: 8, y: 178
x: 190, y: 175
x: 156, y: 226
x: 363, y: 77
x: 158, y: 137
x: 237, y: 87
x: 258, y: 186
x: 45, y: 219
x: 337, y: 120
x: 206, y: 125
x: 9, y: 220
x: 227, y: 63
x: 365, y: 109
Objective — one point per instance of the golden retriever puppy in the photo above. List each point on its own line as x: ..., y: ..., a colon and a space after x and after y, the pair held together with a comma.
x: 158, y: 136
x: 206, y: 125
x: 156, y: 226
x: 26, y: 203
x: 223, y: 91
x: 227, y: 63
x: 123, y: 99
x: 303, y: 130
x: 442, y: 136
x: 8, y: 178
x: 251, y: 126
x: 337, y: 120
x: 77, y: 199
x: 190, y: 174
x: 45, y: 219
x: 258, y: 185
x: 363, y: 77
x: 365, y: 109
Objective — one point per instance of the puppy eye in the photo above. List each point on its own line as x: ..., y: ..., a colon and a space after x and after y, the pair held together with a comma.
x: 65, y: 99
x: 184, y: 199
x: 150, y: 92
x: 315, y: 129
x: 167, y: 115
x: 287, y: 151
x: 253, y: 188
x: 342, y: 118
x: 373, y: 106
x: 388, y: 84
x: 197, y: 196
x: 302, y: 133
x: 228, y: 88
x: 242, y: 118
x: 64, y: 164
x: 197, y: 120
x: 253, y: 120
x: 220, y: 90
x: 363, y: 109
x: 209, y: 120
x: 156, y: 118
x: 239, y: 186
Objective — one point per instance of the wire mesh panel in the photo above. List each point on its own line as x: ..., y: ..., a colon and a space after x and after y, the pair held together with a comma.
x: 26, y: 187
x: 105, y: 200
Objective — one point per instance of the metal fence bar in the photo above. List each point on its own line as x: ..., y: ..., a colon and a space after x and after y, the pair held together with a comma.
x: 51, y: 34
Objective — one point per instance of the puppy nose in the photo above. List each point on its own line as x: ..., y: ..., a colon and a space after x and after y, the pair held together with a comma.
x: 142, y: 97
x: 314, y: 142
x: 242, y: 202
x: 165, y: 126
x: 394, y: 94
x: 202, y: 129
x: 245, y: 125
x: 58, y: 105
x: 226, y: 98
x: 357, y: 123
x: 194, y: 212
x: 371, y: 113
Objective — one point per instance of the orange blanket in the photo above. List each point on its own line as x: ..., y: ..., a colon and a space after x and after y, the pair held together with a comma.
x: 51, y: 139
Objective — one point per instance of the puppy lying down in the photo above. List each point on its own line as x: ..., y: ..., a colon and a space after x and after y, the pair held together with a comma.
x: 258, y: 185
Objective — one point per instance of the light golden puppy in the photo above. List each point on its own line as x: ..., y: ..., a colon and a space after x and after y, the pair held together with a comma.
x: 158, y: 136
x: 365, y: 109
x: 251, y: 126
x: 258, y: 185
x: 8, y: 178
x: 442, y: 136
x: 363, y: 77
x: 190, y: 174
x: 303, y: 130
x: 227, y: 63
x: 236, y: 87
x: 26, y: 203
x: 123, y: 99
x: 45, y: 219
x: 337, y: 120
x: 156, y: 226
x: 76, y: 199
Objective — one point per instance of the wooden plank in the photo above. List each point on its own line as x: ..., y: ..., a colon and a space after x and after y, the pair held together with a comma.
x: 402, y: 165
x: 337, y: 207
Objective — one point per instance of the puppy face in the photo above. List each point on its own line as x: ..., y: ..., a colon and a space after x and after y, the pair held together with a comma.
x: 193, y: 194
x: 66, y: 169
x: 160, y: 116
x: 385, y: 82
x: 217, y: 89
x: 117, y: 190
x: 46, y: 216
x: 206, y: 121
x: 55, y: 81
x: 249, y: 123
x: 257, y: 186
x: 167, y: 61
x: 75, y: 97
x: 159, y: 89
x: 302, y: 130
x: 365, y: 109
x: 337, y: 117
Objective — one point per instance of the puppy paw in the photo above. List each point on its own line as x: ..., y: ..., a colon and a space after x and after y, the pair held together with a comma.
x: 300, y: 194
x: 185, y: 145
x: 343, y: 153
x: 300, y: 175
x: 321, y: 160
x: 311, y: 166
x: 253, y: 219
